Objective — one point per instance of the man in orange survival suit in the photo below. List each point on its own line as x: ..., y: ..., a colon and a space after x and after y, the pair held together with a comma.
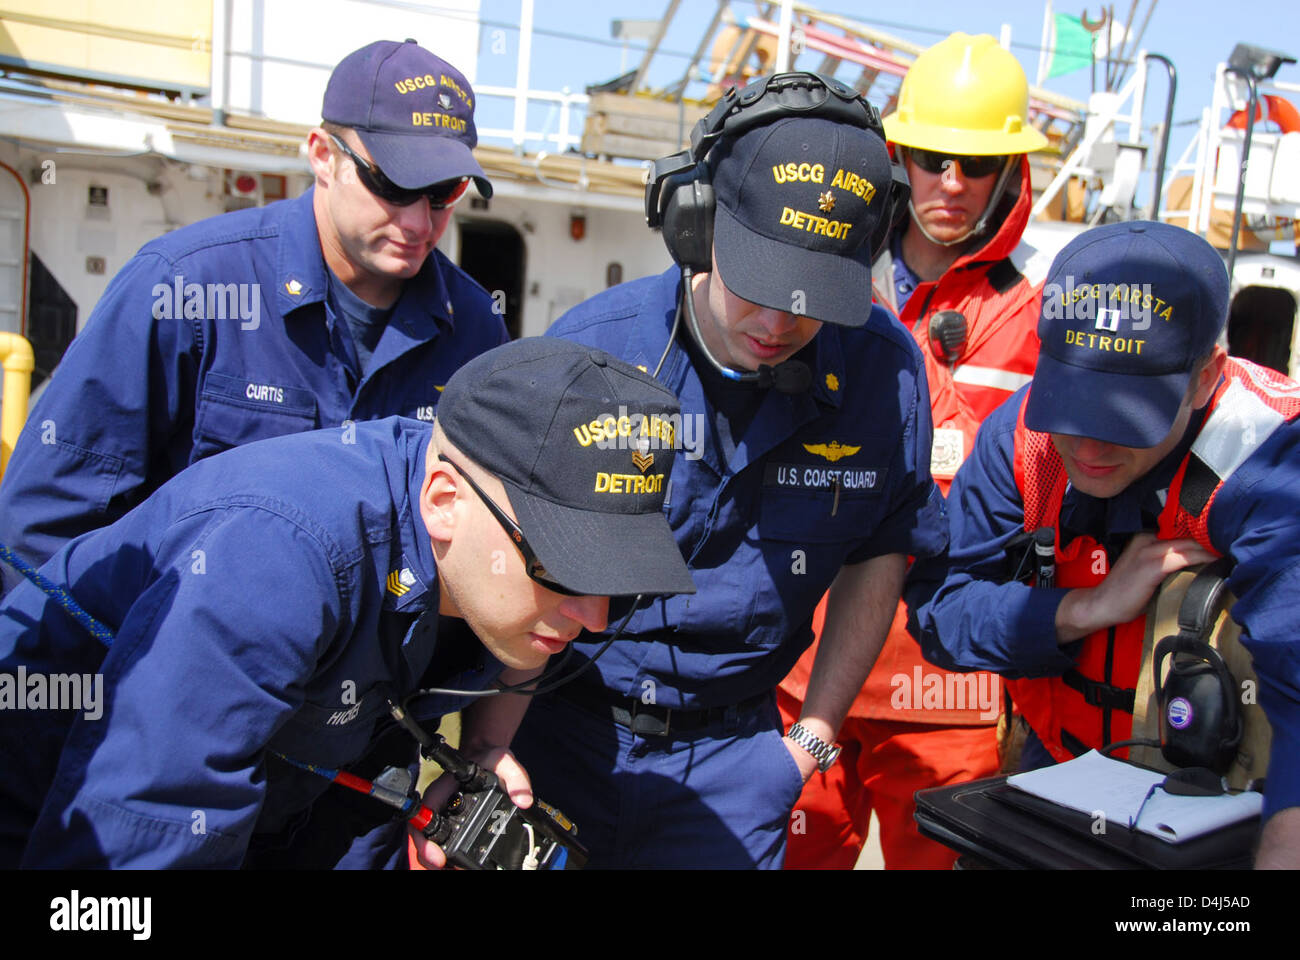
x: 962, y: 130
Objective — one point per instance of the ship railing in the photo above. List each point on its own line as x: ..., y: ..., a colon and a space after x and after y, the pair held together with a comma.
x: 1272, y: 187
x: 1113, y: 146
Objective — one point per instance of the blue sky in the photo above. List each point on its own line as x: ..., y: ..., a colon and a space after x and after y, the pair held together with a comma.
x: 1195, y: 34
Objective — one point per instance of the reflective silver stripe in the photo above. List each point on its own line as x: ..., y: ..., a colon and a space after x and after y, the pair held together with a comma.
x: 1031, y: 262
x: 991, y: 377
x: 1240, y: 423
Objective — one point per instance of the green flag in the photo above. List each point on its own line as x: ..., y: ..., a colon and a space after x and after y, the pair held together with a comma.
x: 1071, y: 45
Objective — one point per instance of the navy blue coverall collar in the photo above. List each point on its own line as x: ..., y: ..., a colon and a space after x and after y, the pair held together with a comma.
x: 779, y: 415
x: 1136, y: 508
x: 417, y: 549
x: 303, y: 279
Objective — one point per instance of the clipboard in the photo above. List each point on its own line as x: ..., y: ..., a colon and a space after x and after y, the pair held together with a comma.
x: 1001, y: 826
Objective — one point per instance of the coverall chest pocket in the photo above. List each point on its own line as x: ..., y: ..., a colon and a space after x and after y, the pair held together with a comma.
x: 331, y: 734
x: 815, y: 503
x: 806, y: 532
x: 327, y: 735
x: 233, y: 411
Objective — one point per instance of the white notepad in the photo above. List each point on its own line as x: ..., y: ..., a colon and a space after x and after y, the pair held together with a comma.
x: 1093, y: 784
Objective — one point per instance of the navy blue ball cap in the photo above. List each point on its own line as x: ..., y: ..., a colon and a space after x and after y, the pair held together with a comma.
x: 797, y: 203
x: 584, y: 445
x: 413, y: 111
x: 1128, y: 309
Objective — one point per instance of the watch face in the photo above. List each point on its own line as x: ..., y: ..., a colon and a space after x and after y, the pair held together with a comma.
x: 830, y: 760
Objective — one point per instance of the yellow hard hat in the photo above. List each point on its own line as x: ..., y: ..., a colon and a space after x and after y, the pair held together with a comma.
x: 966, y: 96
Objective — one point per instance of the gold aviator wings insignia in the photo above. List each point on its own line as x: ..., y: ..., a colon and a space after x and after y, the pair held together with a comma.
x: 831, y: 451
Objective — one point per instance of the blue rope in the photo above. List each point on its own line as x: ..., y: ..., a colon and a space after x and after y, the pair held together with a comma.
x: 59, y: 595
x: 326, y: 772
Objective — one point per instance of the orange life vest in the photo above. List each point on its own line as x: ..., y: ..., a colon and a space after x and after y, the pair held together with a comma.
x: 1091, y: 705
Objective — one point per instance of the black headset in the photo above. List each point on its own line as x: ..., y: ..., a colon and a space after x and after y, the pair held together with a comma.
x: 679, y: 195
x: 1200, y: 719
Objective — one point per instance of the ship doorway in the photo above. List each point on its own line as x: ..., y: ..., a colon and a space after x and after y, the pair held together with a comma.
x: 492, y: 253
x: 1261, y: 323
x: 52, y: 321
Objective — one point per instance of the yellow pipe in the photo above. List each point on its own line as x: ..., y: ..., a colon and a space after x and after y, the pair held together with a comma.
x: 19, y: 362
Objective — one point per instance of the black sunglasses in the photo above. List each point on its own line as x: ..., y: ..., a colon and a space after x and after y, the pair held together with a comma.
x: 532, y: 566
x: 973, y: 167
x: 440, y: 195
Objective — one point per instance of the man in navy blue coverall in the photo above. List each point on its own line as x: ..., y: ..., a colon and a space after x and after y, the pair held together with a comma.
x: 267, y: 603
x: 1173, y: 453
x: 670, y: 751
x: 307, y: 313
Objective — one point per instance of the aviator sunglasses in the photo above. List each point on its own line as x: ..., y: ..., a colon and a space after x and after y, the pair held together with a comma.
x: 973, y: 167
x: 532, y: 566
x: 440, y: 195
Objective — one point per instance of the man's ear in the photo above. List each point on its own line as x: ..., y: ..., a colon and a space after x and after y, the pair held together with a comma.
x: 1208, y: 378
x: 320, y: 156
x: 438, y: 502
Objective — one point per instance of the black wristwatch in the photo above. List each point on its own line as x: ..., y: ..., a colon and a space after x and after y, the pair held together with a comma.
x: 824, y: 753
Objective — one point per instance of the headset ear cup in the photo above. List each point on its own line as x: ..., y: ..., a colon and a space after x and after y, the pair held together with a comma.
x: 900, y: 191
x: 1233, y: 726
x: 688, y: 222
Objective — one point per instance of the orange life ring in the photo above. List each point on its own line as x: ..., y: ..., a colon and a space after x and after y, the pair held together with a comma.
x: 1279, y: 111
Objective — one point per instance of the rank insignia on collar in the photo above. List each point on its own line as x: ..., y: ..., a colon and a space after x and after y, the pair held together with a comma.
x: 831, y: 451
x: 400, y: 582
x: 294, y: 287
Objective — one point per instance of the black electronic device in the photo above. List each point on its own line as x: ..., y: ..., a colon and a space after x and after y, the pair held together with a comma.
x: 484, y: 830
x: 948, y: 332
x: 479, y: 827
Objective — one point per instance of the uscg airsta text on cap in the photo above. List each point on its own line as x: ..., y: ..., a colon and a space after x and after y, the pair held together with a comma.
x: 1128, y: 310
